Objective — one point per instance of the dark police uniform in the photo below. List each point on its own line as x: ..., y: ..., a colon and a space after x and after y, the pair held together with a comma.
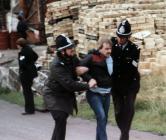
x: 126, y: 84
x: 27, y: 71
x: 126, y: 76
x: 59, y: 89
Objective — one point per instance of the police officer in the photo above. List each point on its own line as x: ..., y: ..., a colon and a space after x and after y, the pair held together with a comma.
x: 126, y: 78
x: 27, y: 72
x: 62, y: 82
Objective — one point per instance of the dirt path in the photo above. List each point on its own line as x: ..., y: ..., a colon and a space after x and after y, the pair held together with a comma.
x: 14, y: 126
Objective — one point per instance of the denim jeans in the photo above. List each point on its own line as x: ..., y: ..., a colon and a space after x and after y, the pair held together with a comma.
x: 100, y: 105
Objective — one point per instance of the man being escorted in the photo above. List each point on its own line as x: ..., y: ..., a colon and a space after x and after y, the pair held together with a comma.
x: 100, y: 65
x: 126, y: 78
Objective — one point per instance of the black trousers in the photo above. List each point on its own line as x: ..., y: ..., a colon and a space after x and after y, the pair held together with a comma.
x: 28, y: 94
x: 124, y: 112
x: 60, y: 119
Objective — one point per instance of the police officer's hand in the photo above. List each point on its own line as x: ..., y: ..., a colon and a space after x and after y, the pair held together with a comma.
x: 92, y: 83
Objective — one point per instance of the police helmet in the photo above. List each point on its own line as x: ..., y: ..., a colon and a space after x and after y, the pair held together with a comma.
x: 124, y: 29
x: 62, y: 42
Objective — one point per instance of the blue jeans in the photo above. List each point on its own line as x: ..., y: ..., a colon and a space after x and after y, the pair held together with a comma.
x: 100, y: 105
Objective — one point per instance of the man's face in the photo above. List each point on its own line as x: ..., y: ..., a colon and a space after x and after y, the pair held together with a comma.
x: 106, y: 50
x: 18, y: 47
x: 122, y: 40
x: 70, y: 52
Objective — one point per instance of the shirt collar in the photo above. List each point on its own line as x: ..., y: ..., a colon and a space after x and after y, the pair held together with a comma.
x: 124, y: 45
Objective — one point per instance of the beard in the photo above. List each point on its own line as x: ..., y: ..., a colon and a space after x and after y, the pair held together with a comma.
x: 65, y: 56
x: 68, y: 56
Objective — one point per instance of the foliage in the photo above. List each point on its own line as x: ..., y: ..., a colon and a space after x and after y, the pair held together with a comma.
x: 17, y: 97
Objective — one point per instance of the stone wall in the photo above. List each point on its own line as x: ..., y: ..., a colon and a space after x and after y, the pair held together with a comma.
x: 14, y: 82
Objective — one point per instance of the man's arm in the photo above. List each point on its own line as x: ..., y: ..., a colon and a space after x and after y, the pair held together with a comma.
x: 86, y: 62
x: 64, y: 78
x: 86, y: 76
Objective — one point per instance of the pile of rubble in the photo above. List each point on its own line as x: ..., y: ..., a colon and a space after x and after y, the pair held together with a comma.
x: 96, y: 23
x: 155, y: 65
x: 88, y: 20
x: 104, y: 19
x: 61, y: 15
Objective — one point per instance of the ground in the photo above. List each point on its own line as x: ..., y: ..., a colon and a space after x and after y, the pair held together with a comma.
x: 15, y: 126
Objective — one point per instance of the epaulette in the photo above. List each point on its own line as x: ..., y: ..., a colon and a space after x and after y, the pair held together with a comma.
x: 62, y: 63
x: 138, y: 47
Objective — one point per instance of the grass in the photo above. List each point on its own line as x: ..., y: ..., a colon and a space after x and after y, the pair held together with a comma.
x: 150, y: 105
x: 17, y: 98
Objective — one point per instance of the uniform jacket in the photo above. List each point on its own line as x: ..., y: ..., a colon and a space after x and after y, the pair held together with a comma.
x: 98, y: 70
x: 59, y: 90
x: 126, y: 78
x: 27, y: 58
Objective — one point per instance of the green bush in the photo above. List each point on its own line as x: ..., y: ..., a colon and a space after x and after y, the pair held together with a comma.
x: 17, y: 97
x: 142, y: 105
x: 4, y: 90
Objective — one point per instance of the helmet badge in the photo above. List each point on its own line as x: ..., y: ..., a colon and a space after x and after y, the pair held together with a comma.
x: 122, y: 29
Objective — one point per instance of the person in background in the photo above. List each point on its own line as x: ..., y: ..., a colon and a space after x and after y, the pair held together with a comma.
x: 100, y: 65
x: 27, y: 72
x: 126, y: 78
x: 59, y: 89
x: 22, y: 25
